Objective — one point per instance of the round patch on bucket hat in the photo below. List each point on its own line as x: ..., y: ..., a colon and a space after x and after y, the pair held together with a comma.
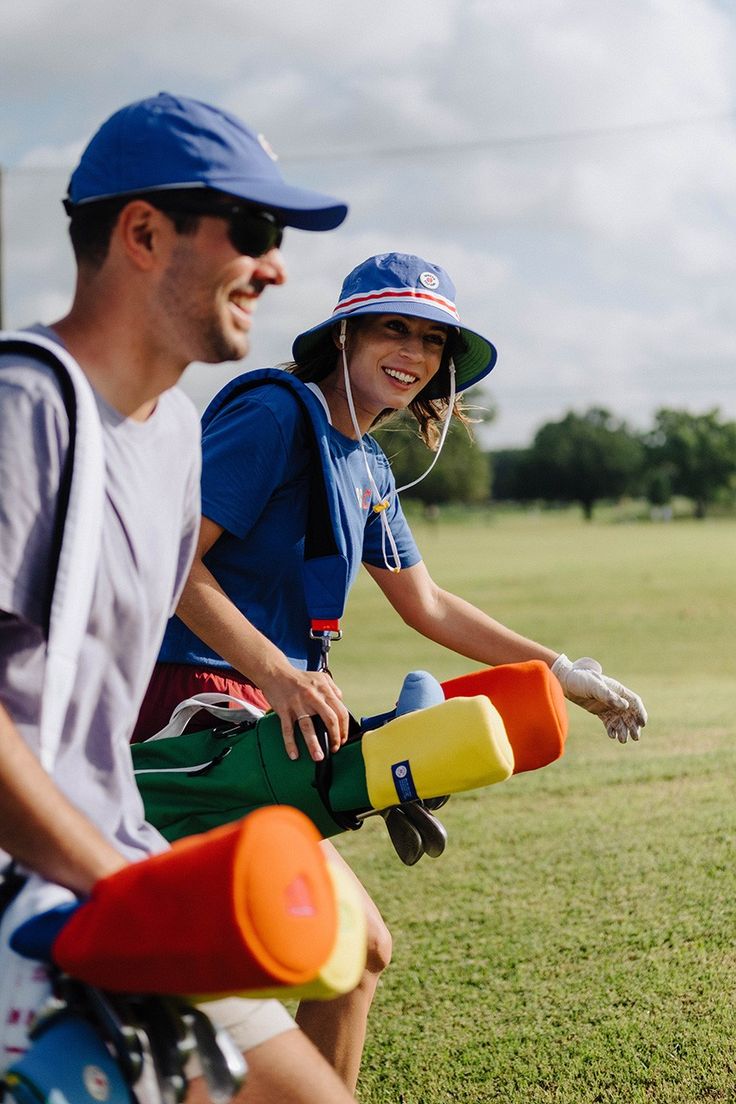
x: 402, y: 283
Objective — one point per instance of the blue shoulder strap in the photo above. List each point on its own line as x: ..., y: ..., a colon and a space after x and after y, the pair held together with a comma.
x: 325, y: 556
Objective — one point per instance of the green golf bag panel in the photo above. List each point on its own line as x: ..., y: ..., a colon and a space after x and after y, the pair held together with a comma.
x: 199, y: 780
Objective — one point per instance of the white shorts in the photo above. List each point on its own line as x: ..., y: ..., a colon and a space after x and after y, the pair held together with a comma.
x: 247, y: 1022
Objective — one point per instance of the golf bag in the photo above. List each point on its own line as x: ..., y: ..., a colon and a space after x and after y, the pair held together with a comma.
x: 416, y: 752
x: 251, y: 908
x: 88, y: 1046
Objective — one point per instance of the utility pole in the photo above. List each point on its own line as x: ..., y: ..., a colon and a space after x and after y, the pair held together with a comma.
x: 2, y: 320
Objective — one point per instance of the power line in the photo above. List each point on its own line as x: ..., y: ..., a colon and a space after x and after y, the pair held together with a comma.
x: 550, y: 137
x: 511, y: 141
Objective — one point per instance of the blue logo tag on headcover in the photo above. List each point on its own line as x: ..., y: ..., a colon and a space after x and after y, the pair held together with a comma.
x: 403, y: 781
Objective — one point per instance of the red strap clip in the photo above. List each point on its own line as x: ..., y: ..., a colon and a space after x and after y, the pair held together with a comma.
x: 325, y: 626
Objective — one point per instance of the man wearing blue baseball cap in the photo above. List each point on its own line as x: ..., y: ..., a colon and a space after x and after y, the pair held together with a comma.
x: 192, y: 172
x: 177, y: 211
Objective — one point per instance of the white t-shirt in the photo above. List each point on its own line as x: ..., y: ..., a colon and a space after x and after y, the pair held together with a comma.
x: 150, y: 524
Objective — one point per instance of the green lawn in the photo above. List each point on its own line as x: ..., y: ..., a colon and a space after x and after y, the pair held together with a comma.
x: 576, y: 943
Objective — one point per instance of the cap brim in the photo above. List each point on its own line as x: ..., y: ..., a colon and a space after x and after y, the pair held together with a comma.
x: 298, y: 207
x: 476, y: 360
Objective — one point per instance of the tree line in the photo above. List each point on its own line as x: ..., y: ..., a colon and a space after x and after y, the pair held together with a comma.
x: 583, y: 458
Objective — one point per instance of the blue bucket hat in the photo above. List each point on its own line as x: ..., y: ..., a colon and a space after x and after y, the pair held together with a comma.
x: 400, y: 283
x: 174, y: 142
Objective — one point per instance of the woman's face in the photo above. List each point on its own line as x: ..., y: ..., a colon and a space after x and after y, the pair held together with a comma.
x: 391, y: 357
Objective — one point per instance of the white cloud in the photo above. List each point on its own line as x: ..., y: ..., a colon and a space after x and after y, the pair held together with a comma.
x: 596, y: 250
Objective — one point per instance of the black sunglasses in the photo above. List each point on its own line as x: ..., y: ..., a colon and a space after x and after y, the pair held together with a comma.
x: 251, y: 230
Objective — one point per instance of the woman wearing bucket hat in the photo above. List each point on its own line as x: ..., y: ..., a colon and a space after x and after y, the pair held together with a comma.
x: 393, y: 342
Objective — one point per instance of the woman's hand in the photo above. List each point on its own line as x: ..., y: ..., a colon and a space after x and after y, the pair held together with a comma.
x: 298, y: 696
x: 583, y: 682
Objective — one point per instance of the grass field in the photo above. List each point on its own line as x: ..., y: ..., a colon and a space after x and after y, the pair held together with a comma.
x: 576, y: 943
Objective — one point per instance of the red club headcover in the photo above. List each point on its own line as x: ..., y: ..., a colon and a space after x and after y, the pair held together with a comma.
x: 245, y: 906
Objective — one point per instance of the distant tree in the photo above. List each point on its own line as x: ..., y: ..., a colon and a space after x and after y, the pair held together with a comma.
x: 510, y: 475
x: 583, y: 458
x: 461, y: 474
x: 657, y: 484
x: 697, y: 451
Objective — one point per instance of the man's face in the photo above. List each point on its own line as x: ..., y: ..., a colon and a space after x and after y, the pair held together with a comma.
x: 209, y: 291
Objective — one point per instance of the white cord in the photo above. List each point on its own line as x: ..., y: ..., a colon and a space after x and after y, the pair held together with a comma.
x: 382, y: 504
x: 443, y: 435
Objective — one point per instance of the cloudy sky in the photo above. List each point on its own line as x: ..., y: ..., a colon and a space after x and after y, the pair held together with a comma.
x: 572, y: 163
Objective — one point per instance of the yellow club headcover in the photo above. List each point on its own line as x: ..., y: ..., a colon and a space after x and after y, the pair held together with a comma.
x: 458, y: 745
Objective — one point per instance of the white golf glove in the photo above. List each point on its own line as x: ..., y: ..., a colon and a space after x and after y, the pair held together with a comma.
x: 583, y: 682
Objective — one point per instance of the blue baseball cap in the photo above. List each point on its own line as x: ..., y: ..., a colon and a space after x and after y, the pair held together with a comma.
x: 170, y: 141
x: 400, y: 283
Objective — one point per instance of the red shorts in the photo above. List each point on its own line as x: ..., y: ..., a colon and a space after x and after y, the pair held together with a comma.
x: 173, y: 682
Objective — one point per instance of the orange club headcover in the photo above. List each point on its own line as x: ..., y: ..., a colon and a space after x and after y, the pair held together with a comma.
x: 532, y: 706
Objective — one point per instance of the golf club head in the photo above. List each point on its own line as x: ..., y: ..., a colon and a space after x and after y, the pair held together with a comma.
x: 433, y: 833
x: 171, y: 1041
x: 404, y: 835
x: 434, y: 803
x: 223, y: 1066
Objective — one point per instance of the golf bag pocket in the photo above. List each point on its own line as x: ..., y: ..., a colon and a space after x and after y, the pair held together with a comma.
x: 200, y: 780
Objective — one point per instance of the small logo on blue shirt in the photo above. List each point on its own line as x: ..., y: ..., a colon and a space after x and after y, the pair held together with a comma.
x: 403, y: 781
x: 363, y: 495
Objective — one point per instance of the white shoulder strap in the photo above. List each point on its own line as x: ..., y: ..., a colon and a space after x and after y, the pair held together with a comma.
x: 212, y: 703
x: 79, y: 556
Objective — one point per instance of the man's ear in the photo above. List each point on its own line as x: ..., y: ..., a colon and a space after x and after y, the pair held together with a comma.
x: 139, y: 232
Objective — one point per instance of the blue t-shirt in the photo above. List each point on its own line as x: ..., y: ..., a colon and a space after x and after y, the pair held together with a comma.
x: 256, y: 456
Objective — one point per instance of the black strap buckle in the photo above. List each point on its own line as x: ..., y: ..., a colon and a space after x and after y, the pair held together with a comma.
x: 323, y: 781
x: 325, y: 637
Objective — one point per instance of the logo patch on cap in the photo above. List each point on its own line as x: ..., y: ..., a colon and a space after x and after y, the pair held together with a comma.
x: 429, y: 280
x: 267, y: 147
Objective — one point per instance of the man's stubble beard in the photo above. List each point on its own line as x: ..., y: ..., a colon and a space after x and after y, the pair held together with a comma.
x: 197, y: 318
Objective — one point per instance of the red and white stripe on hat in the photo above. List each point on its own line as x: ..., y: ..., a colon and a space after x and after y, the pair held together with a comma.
x: 389, y: 296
